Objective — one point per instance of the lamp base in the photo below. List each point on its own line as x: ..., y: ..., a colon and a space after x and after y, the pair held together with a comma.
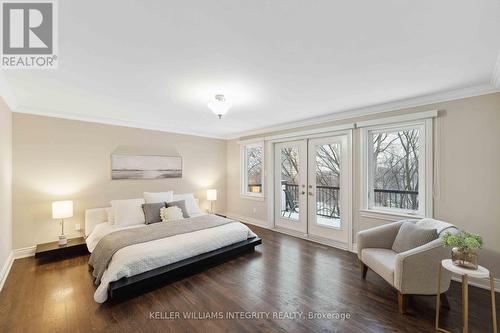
x: 63, y: 240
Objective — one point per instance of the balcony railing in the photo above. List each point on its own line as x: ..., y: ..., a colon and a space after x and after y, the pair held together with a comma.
x: 396, y: 199
x: 327, y: 199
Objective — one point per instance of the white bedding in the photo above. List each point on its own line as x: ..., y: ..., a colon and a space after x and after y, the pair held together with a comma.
x: 139, y: 258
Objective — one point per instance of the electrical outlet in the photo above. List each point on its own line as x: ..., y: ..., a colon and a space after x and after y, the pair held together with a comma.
x: 254, y: 210
x: 78, y: 227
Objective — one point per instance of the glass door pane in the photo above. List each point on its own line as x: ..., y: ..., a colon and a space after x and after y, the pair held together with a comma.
x: 290, y: 178
x: 289, y: 194
x: 327, y: 180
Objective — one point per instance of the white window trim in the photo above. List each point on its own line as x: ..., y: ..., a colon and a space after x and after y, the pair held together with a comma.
x: 417, y: 116
x: 425, y: 172
x: 243, y: 171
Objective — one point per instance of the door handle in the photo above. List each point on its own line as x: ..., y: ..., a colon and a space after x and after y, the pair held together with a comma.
x: 303, y: 192
x: 310, y: 193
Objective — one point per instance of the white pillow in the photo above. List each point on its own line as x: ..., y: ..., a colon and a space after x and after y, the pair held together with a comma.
x: 155, y: 197
x: 172, y: 213
x: 111, y: 217
x: 191, y: 205
x: 128, y: 212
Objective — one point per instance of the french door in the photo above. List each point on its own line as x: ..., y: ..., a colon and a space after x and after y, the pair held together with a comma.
x: 312, y: 187
x: 291, y: 185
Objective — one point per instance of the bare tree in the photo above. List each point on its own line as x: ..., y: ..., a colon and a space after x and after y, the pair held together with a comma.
x: 396, y: 168
x: 328, y: 179
x: 254, y: 165
x: 289, y: 165
x: 328, y: 165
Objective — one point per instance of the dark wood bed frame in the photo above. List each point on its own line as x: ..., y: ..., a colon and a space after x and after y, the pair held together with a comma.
x: 130, y: 286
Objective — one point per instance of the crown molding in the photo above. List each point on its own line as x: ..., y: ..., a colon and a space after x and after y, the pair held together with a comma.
x: 416, y: 116
x: 495, y: 77
x: 109, y: 121
x: 342, y: 115
x: 379, y: 108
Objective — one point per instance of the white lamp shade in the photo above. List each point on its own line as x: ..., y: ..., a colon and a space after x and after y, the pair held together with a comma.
x: 211, y: 195
x: 62, y: 209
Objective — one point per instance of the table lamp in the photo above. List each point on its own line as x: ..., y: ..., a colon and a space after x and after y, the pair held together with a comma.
x: 62, y: 210
x: 211, y: 196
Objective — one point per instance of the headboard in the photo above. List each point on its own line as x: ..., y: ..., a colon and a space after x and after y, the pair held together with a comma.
x: 93, y: 217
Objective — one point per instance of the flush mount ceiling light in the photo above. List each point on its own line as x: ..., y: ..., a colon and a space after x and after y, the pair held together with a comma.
x: 219, y: 105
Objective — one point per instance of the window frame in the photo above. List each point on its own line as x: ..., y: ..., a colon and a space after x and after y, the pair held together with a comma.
x: 244, y: 174
x: 425, y: 195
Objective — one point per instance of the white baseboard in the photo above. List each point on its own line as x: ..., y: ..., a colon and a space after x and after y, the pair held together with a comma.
x: 480, y: 283
x: 24, y: 252
x: 264, y: 224
x: 249, y: 220
x: 6, y: 269
x: 315, y: 239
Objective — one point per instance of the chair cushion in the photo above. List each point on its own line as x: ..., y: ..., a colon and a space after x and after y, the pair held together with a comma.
x: 381, y: 261
x: 440, y: 226
x: 411, y: 236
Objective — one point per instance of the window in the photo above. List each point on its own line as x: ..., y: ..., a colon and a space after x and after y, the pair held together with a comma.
x: 253, y: 170
x: 398, y: 177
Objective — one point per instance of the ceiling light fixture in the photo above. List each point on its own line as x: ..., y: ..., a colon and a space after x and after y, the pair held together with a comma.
x: 219, y: 105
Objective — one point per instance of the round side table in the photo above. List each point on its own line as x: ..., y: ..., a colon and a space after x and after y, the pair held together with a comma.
x: 481, y: 273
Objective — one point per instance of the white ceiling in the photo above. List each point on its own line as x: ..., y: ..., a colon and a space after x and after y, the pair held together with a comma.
x: 155, y: 64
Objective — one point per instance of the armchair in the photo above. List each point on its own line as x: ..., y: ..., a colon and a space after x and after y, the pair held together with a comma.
x: 410, y: 272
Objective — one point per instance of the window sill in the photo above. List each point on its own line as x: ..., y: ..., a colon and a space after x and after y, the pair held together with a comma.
x: 252, y: 197
x: 387, y: 215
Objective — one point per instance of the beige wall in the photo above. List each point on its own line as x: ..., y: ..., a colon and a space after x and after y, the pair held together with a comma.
x: 62, y: 159
x: 5, y: 183
x: 56, y: 159
x: 468, y: 177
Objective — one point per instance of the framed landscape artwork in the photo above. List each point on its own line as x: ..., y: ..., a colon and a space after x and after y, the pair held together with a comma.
x: 145, y: 166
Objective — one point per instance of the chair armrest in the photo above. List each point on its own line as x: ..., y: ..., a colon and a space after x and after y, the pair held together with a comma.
x: 416, y: 270
x: 379, y: 237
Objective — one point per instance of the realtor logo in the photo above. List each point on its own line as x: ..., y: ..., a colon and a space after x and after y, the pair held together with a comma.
x: 28, y: 34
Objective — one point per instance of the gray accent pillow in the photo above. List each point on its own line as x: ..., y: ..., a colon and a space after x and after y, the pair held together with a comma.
x: 152, y: 212
x: 182, y: 205
x: 411, y: 236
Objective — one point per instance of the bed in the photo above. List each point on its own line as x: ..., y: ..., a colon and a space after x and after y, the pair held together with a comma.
x: 140, y: 265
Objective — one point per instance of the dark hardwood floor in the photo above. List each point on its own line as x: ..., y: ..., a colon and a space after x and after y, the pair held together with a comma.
x: 284, y: 274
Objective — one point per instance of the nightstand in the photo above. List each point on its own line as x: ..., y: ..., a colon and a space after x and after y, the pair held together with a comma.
x: 75, y: 246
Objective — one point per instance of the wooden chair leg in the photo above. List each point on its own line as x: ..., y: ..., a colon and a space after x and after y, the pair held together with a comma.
x: 402, y: 301
x: 444, y: 301
x: 364, y: 269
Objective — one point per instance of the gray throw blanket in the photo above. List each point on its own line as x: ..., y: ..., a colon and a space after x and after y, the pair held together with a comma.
x: 110, y: 244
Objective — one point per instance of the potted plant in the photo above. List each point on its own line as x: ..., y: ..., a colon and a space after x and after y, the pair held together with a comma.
x: 464, y: 246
